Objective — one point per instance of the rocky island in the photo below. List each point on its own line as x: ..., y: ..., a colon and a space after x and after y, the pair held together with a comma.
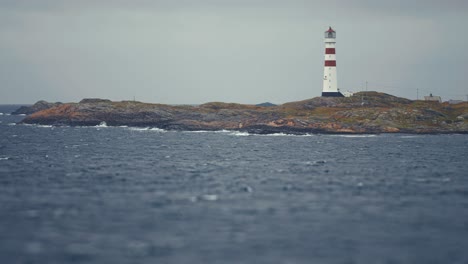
x: 364, y: 112
x: 38, y: 106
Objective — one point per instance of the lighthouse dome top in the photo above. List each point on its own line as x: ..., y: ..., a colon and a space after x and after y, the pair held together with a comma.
x: 330, y: 33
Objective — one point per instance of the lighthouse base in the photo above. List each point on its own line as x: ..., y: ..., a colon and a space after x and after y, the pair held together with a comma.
x: 332, y: 94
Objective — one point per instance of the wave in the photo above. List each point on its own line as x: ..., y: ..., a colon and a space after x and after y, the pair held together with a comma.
x: 354, y: 136
x: 102, y: 124
x: 208, y: 131
x: 288, y: 135
x: 139, y: 128
x: 42, y: 126
x: 154, y: 129
x: 4, y: 158
x: 1, y: 114
x: 244, y: 133
x: 414, y: 136
x: 198, y: 131
x: 278, y: 135
x: 12, y: 124
x: 281, y: 134
x: 222, y: 131
x: 240, y: 134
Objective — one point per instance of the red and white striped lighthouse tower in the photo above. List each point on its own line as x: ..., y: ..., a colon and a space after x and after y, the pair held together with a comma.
x: 330, y: 87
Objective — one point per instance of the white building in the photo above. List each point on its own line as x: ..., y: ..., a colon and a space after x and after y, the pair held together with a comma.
x: 433, y: 98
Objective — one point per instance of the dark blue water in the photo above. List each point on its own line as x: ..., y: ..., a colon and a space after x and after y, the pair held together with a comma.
x: 126, y: 195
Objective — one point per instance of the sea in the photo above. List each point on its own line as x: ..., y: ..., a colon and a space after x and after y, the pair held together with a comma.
x: 146, y: 195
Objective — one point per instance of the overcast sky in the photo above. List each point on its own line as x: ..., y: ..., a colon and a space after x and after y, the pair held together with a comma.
x: 245, y: 51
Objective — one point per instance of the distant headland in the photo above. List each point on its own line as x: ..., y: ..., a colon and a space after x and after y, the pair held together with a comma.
x: 364, y: 112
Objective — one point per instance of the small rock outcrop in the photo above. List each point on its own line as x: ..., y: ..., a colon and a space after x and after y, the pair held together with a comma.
x: 266, y: 104
x: 94, y: 100
x: 361, y: 99
x: 39, y: 106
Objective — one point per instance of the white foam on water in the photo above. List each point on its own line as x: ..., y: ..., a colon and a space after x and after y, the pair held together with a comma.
x: 20, y: 114
x: 102, y: 124
x: 287, y: 135
x: 222, y: 131
x: 277, y: 135
x: 239, y: 134
x: 44, y: 126
x: 4, y: 158
x: 152, y: 129
x: 207, y: 131
x: 139, y: 128
x: 123, y: 126
x: 198, y: 131
x: 12, y: 124
x: 1, y: 114
x: 155, y: 129
x: 354, y: 136
x: 409, y: 136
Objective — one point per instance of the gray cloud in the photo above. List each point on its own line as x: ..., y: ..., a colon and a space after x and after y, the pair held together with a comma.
x: 239, y: 51
x: 397, y: 6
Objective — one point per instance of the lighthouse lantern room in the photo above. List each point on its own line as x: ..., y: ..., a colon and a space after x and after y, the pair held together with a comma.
x: 330, y: 87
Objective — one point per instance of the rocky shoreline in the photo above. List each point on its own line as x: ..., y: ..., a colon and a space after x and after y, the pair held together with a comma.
x: 363, y: 113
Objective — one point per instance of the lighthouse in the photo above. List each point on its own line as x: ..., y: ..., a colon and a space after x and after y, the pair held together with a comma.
x: 330, y: 87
